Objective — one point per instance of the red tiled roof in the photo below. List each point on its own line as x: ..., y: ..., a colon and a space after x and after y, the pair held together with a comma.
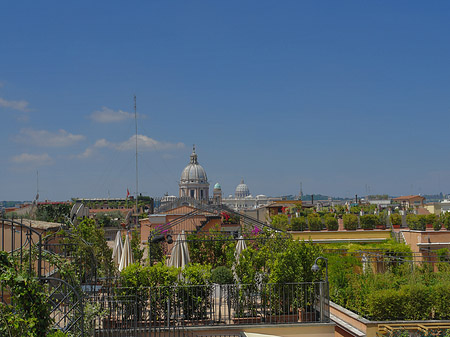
x: 406, y: 197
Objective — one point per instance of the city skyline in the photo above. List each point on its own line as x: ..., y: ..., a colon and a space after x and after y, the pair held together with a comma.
x: 338, y: 96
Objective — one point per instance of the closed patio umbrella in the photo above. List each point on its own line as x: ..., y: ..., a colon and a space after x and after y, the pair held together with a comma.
x: 117, y: 250
x: 240, y: 247
x: 179, y: 256
x: 127, y: 255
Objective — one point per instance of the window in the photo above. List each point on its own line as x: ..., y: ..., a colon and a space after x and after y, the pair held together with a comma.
x: 192, y: 193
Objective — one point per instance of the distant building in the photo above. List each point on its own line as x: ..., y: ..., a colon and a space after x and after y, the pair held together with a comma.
x: 410, y: 201
x: 194, y: 182
x: 243, y: 200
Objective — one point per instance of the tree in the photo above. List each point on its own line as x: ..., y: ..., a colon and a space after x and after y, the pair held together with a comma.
x: 87, y: 244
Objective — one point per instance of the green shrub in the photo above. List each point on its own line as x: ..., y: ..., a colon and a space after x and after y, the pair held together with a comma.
x: 368, y: 221
x: 396, y: 219
x: 222, y: 275
x: 331, y: 223
x: 298, y: 224
x: 417, y: 302
x: 414, y: 222
x: 445, y: 218
x: 386, y: 305
x: 441, y: 297
x: 280, y: 221
x: 314, y: 222
x: 350, y: 221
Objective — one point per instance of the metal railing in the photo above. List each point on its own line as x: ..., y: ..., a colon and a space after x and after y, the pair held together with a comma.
x: 178, y: 307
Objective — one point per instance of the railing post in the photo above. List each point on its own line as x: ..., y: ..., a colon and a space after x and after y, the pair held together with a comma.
x: 321, y: 304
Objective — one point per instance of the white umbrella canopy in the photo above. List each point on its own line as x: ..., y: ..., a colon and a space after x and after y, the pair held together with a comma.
x: 240, y: 247
x: 179, y: 256
x: 117, y: 251
x: 127, y: 255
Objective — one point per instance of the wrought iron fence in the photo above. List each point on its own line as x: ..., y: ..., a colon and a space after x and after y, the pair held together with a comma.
x: 161, y: 309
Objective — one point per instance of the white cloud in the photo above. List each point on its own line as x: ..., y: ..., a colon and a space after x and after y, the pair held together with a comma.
x: 45, y: 138
x: 33, y: 159
x: 107, y: 115
x: 15, y: 105
x: 144, y: 144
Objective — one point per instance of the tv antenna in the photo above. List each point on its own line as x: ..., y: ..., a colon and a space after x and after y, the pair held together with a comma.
x: 137, y: 193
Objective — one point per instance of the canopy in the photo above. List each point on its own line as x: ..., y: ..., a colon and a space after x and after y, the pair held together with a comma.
x: 127, y: 255
x: 240, y: 247
x: 117, y: 250
x: 179, y: 256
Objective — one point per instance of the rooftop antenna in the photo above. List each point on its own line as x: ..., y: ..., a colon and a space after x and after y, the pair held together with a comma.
x: 301, y: 192
x: 37, y: 186
x: 135, y: 120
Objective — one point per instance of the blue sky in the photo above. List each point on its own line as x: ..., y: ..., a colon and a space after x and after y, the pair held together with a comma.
x: 339, y: 95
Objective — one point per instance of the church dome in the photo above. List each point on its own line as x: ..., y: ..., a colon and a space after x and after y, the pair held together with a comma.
x: 194, y: 172
x: 217, y: 186
x: 242, y: 190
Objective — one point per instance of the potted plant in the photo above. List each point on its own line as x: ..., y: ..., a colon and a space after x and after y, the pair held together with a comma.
x: 350, y: 221
x: 396, y: 220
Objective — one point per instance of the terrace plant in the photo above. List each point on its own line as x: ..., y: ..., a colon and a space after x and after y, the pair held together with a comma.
x: 350, y: 221
x: 298, y: 224
x: 280, y: 221
x: 331, y: 223
x: 147, y: 287
x: 368, y: 221
x: 445, y: 218
x: 314, y: 222
x: 194, y: 291
x: 395, y: 219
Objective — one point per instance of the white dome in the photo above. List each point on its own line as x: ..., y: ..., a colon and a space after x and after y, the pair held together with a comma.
x: 242, y: 190
x: 194, y: 172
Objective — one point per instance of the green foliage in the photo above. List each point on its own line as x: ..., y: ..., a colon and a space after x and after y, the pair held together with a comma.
x: 135, y: 243
x: 314, y: 222
x: 280, y: 221
x: 298, y: 224
x: 222, y: 275
x: 217, y: 252
x: 445, y: 218
x: 30, y: 315
x: 350, y: 221
x: 416, y: 222
x: 53, y: 213
x: 395, y: 219
x: 87, y: 245
x: 140, y: 283
x: 368, y: 221
x: 195, y: 291
x: 331, y: 223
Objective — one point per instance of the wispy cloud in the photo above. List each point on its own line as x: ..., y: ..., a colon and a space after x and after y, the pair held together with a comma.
x: 107, y: 115
x: 144, y: 144
x: 32, y: 159
x: 45, y: 138
x: 15, y: 105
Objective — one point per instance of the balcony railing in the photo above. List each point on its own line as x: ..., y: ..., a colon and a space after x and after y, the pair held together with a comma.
x: 178, y: 307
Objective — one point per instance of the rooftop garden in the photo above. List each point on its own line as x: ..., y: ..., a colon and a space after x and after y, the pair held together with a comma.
x: 404, y: 291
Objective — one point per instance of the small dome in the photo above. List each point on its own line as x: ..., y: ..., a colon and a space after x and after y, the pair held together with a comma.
x: 217, y: 186
x: 242, y: 190
x: 194, y: 172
